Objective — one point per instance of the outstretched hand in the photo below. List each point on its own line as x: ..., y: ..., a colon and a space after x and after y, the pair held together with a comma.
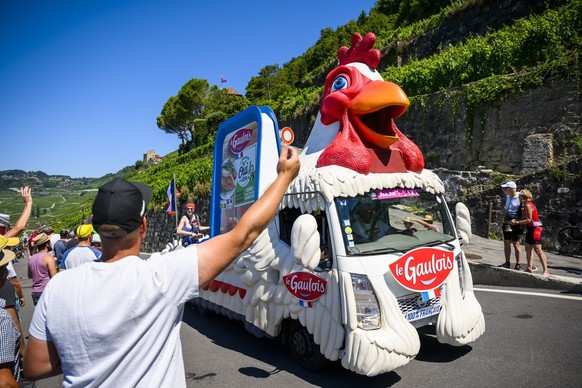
x: 288, y: 162
x: 26, y: 195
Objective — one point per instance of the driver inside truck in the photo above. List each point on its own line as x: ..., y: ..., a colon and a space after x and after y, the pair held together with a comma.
x: 368, y: 225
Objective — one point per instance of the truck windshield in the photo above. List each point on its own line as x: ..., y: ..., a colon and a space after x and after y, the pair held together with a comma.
x: 391, y: 220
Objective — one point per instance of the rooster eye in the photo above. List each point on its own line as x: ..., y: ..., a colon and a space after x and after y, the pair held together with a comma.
x: 339, y: 83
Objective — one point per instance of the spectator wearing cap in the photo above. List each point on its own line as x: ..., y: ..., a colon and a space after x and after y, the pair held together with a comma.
x: 83, y: 252
x: 61, y: 245
x: 130, y: 310
x: 189, y: 227
x: 11, y: 340
x: 409, y: 228
x: 511, y: 233
x: 41, y: 266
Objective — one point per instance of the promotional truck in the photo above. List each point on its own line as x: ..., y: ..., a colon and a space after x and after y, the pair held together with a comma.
x: 363, y: 250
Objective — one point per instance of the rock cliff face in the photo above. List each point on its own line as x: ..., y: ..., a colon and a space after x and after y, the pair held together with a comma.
x: 523, y: 134
x: 559, y: 202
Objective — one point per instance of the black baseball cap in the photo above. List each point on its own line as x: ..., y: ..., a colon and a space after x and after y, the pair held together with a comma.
x: 120, y: 203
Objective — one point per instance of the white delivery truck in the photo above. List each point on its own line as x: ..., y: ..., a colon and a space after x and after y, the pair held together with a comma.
x: 352, y: 265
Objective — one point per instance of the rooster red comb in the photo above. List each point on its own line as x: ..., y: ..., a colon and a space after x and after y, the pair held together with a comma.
x: 361, y: 51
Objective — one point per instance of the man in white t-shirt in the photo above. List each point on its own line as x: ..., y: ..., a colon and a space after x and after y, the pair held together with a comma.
x: 122, y: 327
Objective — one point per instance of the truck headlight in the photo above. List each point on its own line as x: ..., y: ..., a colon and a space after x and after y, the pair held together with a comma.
x: 367, y: 309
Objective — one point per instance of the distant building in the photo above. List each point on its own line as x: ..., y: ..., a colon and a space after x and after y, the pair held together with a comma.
x: 231, y: 91
x: 151, y: 157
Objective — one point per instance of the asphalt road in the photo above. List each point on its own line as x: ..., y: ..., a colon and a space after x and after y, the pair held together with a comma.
x: 533, y: 338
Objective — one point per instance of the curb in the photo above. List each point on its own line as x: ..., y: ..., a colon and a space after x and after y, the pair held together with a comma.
x: 488, y: 274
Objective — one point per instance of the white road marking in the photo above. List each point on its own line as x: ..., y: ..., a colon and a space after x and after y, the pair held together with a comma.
x: 579, y: 298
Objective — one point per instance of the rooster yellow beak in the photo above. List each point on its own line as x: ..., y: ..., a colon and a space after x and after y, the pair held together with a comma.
x: 372, y: 111
x: 377, y: 95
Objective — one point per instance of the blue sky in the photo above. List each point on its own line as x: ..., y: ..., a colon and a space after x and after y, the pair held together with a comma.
x: 82, y: 82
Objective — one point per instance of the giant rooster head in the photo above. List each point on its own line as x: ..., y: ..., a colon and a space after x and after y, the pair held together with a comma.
x: 365, y: 106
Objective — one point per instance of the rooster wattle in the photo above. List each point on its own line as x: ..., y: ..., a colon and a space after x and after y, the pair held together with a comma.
x: 365, y: 106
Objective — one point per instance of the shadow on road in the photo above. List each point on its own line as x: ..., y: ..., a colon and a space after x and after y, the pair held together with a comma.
x: 431, y: 350
x: 274, y: 353
x: 574, y: 271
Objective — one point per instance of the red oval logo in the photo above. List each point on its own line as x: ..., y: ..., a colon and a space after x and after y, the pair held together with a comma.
x: 305, y: 286
x: 423, y: 269
x: 240, y: 140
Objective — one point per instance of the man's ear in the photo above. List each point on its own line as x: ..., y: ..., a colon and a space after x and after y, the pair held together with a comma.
x: 144, y: 226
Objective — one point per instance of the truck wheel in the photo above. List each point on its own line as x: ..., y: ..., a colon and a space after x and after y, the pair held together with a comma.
x: 304, y: 350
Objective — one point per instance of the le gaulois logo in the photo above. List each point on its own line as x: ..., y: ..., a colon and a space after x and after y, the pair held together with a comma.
x: 423, y: 269
x: 305, y: 286
x: 239, y: 140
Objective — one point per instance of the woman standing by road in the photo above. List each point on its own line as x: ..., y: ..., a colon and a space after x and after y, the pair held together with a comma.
x: 533, y: 236
x: 41, y: 266
x: 189, y: 227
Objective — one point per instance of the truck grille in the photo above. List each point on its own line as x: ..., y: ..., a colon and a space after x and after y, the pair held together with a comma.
x: 415, y: 302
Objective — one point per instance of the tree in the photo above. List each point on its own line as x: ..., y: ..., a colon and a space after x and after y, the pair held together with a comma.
x: 264, y: 87
x: 295, y: 70
x: 220, y: 100
x: 213, y: 121
x: 180, y: 111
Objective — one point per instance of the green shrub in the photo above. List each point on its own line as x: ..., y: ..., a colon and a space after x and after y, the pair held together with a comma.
x: 558, y: 174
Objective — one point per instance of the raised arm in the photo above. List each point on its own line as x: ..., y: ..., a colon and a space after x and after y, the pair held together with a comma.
x: 423, y: 223
x: 23, y: 219
x: 217, y: 253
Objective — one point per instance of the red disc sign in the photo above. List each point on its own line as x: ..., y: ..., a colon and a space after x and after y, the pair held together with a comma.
x: 287, y: 135
x: 305, y: 286
x: 423, y: 269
